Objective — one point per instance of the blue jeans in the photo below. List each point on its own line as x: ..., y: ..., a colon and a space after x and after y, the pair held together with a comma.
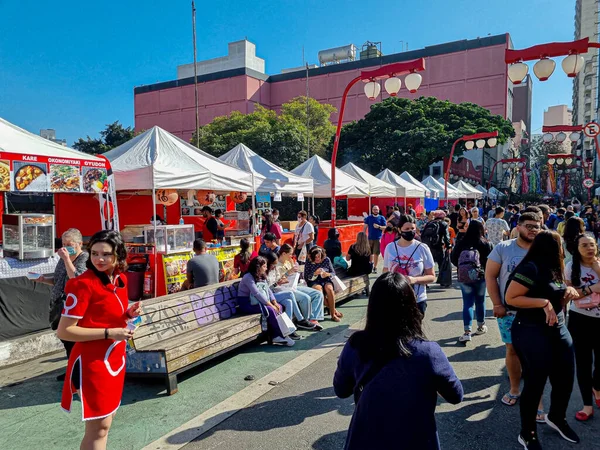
x: 473, y: 295
x: 310, y: 302
x: 288, y: 300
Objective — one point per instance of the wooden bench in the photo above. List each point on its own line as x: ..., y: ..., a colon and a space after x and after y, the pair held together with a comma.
x: 355, y: 286
x: 180, y: 331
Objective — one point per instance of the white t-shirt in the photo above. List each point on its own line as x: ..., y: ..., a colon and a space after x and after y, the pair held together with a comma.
x: 588, y: 278
x: 411, y: 261
x: 302, y: 232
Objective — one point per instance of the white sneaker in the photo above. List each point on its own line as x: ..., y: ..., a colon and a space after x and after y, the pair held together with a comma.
x: 481, y: 330
x: 284, y: 341
x: 465, y: 338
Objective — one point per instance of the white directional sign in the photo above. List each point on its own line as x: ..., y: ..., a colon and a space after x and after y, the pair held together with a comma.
x: 592, y: 129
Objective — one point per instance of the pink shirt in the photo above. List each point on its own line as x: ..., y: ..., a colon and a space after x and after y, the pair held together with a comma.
x: 385, y: 240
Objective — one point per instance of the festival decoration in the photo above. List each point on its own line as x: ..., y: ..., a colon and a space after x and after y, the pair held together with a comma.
x: 205, y: 198
x: 238, y: 197
x: 166, y: 197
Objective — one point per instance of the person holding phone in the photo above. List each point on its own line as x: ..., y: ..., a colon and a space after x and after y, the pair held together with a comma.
x: 72, y: 263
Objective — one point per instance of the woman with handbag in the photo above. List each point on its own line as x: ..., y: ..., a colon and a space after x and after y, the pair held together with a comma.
x: 95, y: 316
x: 537, y: 291
x: 584, y: 321
x: 395, y: 373
x: 72, y: 263
x: 254, y: 296
x: 470, y: 257
x: 318, y: 273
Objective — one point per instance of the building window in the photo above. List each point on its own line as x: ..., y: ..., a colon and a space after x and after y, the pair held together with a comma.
x: 436, y: 171
x: 587, y: 81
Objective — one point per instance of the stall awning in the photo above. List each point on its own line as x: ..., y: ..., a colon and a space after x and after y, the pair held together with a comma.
x: 267, y: 176
x: 157, y: 159
x: 403, y: 187
x: 320, y: 171
x: 377, y: 187
x: 412, y: 180
x: 453, y: 189
x: 469, y: 190
x: 434, y: 185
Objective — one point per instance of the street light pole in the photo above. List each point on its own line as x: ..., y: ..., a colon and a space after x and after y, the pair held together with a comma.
x: 392, y: 85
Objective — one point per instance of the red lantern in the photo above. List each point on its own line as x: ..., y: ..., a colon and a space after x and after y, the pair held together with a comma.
x: 108, y: 206
x: 205, y: 198
x: 166, y: 197
x: 238, y: 197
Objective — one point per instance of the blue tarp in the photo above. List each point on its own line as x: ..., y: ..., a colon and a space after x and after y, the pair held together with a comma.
x: 431, y: 204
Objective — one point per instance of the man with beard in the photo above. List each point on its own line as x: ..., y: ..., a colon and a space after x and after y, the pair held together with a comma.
x: 501, y: 262
x: 375, y: 224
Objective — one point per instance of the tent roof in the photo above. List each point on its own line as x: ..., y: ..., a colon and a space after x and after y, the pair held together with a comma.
x: 491, y: 194
x: 17, y: 140
x: 403, y: 188
x: 497, y: 193
x: 267, y: 176
x: 434, y: 184
x: 468, y: 189
x: 412, y: 180
x: 377, y: 187
x: 320, y: 171
x: 453, y: 188
x: 157, y: 159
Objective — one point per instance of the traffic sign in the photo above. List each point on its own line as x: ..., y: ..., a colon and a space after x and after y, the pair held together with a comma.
x: 592, y: 129
x: 588, y: 183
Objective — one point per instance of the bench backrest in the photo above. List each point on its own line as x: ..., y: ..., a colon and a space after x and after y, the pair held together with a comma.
x: 175, y: 314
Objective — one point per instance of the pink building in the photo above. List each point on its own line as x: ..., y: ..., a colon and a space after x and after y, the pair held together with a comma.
x: 463, y: 71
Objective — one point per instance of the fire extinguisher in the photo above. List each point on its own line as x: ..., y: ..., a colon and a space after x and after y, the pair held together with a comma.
x: 148, y: 281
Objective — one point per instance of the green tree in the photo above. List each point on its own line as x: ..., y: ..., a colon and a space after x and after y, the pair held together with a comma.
x: 280, y: 139
x: 402, y: 134
x: 112, y: 136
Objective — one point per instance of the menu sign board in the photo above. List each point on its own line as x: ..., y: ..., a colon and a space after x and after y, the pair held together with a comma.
x: 33, y: 173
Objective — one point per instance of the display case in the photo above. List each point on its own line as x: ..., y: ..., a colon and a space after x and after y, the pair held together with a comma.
x: 170, y: 238
x: 28, y: 236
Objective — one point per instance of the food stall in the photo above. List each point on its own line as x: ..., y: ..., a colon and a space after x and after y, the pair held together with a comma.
x: 378, y: 189
x: 32, y: 168
x: 406, y: 193
x: 174, y: 180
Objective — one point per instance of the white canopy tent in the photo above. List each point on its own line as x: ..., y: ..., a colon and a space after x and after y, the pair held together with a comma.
x: 491, y: 195
x: 404, y: 188
x: 451, y: 188
x: 434, y: 185
x: 320, y: 171
x: 377, y: 187
x: 412, y: 180
x: 470, y: 191
x: 267, y: 176
x: 497, y: 193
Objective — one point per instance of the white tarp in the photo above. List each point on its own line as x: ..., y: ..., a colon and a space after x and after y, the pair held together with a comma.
x: 470, y: 191
x: 320, y: 171
x: 412, y: 180
x: 434, y: 185
x: 377, y: 187
x: 267, y: 176
x: 17, y: 140
x: 158, y: 160
x: 403, y: 187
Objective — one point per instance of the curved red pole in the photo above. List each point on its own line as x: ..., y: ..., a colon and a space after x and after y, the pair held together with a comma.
x: 448, y: 168
x: 336, y: 144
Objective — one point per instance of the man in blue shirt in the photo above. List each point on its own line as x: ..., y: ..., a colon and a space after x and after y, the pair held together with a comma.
x: 375, y: 224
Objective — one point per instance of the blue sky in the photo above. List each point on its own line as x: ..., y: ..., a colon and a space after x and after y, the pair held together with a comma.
x: 73, y: 65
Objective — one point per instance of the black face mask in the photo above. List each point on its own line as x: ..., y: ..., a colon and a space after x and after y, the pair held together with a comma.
x: 408, y: 235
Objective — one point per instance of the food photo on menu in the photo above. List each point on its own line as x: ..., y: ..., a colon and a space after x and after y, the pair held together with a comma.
x: 94, y: 180
x: 4, y: 175
x: 30, y: 177
x: 64, y: 178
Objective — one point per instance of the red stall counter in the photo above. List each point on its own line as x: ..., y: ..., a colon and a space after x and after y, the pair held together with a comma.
x: 348, y: 232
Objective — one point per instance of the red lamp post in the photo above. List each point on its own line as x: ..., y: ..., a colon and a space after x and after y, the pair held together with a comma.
x: 472, y: 140
x: 520, y: 161
x: 372, y: 89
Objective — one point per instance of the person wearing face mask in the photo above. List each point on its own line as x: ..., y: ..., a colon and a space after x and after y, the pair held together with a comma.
x: 304, y: 235
x: 72, y: 263
x: 412, y: 259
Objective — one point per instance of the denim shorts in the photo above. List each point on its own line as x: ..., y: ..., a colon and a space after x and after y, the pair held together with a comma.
x: 505, y: 325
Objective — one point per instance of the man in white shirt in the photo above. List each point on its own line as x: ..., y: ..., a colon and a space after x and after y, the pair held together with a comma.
x: 304, y: 235
x: 497, y: 227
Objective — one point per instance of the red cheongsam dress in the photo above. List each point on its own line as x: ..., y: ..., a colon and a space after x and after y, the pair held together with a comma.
x: 102, y: 361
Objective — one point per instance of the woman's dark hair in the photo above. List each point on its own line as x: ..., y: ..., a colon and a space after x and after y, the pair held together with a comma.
x: 316, y: 219
x: 271, y: 260
x: 267, y: 222
x: 573, y: 228
x: 312, y: 253
x: 568, y: 215
x: 474, y: 235
x: 333, y: 234
x: 393, y: 320
x: 576, y: 267
x: 218, y: 212
x: 285, y: 248
x: 546, y: 253
x: 467, y: 213
x: 406, y: 218
x: 257, y: 262
x: 245, y: 252
x: 114, y: 239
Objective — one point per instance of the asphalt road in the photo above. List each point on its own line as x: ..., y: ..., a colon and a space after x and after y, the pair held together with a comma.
x: 303, y: 412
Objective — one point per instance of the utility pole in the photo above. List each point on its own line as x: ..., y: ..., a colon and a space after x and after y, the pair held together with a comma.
x: 195, y: 74
x: 307, y: 117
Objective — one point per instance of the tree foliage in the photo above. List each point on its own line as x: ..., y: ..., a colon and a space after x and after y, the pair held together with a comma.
x: 280, y: 139
x: 402, y: 134
x: 112, y: 136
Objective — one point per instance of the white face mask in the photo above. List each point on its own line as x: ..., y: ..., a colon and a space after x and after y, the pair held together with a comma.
x: 275, y: 217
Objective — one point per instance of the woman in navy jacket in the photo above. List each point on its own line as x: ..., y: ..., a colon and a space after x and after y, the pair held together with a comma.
x: 394, y: 373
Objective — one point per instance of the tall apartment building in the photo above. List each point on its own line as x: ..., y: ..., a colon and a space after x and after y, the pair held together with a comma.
x: 559, y: 115
x: 585, y: 85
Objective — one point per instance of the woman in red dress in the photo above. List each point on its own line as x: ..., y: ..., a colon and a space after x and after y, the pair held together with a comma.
x: 95, y: 317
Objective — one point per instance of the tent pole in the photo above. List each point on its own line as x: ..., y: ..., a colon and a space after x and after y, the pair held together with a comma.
x: 370, y: 207
x: 253, y: 219
x: 155, y: 239
x: 313, y: 204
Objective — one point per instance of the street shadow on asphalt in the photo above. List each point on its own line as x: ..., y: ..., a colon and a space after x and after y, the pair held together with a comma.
x: 287, y: 412
x: 332, y: 441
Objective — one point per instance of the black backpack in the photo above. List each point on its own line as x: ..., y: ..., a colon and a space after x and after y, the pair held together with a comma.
x: 431, y: 234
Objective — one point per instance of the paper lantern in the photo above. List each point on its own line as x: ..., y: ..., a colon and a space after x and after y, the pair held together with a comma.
x: 109, y: 210
x: 166, y: 197
x: 238, y: 197
x: 205, y: 198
